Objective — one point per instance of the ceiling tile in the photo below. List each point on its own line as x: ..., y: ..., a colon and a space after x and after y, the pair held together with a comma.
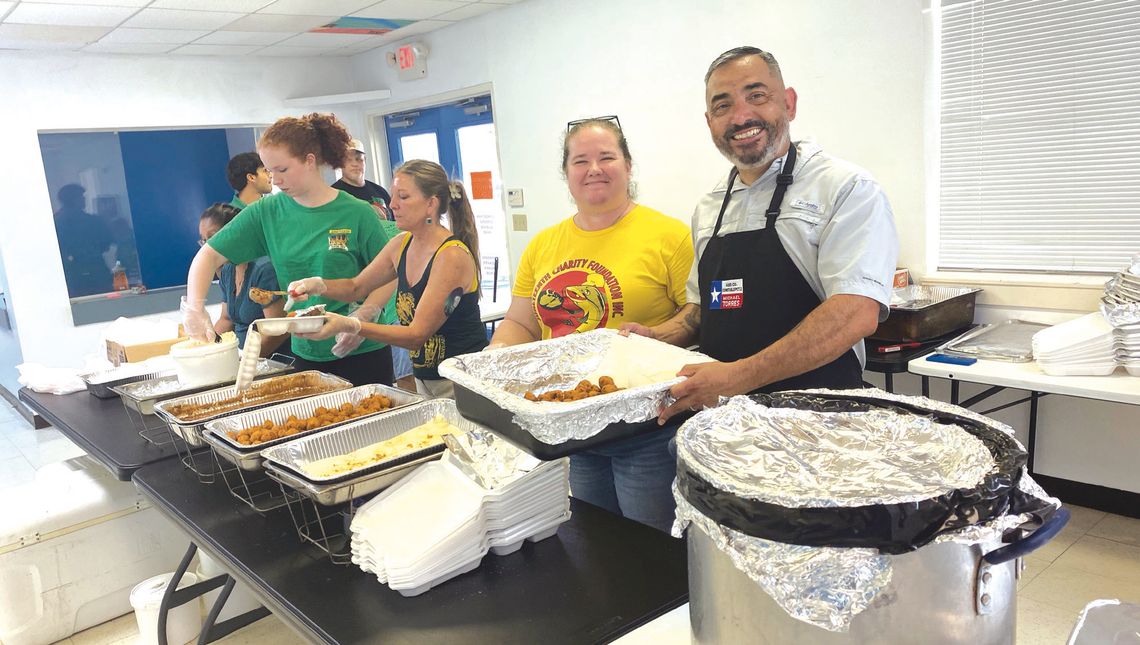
x: 409, y: 9
x: 272, y: 22
x: 241, y: 6
x: 310, y: 7
x: 324, y: 41
x: 180, y: 19
x: 101, y: 3
x: 36, y: 45
x: 469, y: 11
x: 50, y: 34
x: 299, y: 52
x: 172, y: 36
x: 129, y: 48
x: 243, y: 38
x: 216, y: 50
x: 420, y: 27
x: 29, y: 13
x: 5, y: 6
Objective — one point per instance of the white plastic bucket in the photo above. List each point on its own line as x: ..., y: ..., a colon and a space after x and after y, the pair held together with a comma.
x: 198, y: 363
x: 241, y: 598
x: 182, y: 623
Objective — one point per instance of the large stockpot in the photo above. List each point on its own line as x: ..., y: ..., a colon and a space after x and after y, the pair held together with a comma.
x: 937, y: 576
x: 942, y: 594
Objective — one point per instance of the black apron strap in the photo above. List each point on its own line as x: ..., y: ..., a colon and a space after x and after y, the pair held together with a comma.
x: 727, y: 198
x: 783, y: 180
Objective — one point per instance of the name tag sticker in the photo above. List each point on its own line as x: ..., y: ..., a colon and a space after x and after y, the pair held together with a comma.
x: 726, y: 294
x: 804, y: 205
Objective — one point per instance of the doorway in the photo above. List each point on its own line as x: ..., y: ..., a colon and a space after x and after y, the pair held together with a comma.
x: 461, y: 137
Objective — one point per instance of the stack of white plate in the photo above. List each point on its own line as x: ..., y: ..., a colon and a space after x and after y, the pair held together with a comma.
x: 437, y: 523
x: 1080, y: 347
x: 1122, y: 295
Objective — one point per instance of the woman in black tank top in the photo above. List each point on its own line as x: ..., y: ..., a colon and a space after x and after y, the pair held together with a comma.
x: 437, y: 274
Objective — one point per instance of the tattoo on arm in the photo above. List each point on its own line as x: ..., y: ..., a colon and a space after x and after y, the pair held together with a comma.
x: 452, y: 301
x: 692, y: 320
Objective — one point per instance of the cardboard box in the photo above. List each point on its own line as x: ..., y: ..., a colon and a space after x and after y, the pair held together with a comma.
x: 118, y: 353
x: 902, y: 278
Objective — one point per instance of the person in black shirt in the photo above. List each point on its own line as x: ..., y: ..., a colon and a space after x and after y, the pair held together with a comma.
x: 352, y: 181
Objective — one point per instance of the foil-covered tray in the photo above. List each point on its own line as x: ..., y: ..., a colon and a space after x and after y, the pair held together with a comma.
x: 1010, y: 341
x: 490, y: 385
x: 141, y: 396
x: 102, y: 384
x: 248, y: 457
x: 308, y: 383
x: 293, y: 455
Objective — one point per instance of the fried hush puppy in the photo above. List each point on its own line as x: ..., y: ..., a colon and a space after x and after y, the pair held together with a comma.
x: 321, y: 417
x: 583, y: 390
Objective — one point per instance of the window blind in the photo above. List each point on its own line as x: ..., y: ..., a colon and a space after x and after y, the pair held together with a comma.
x: 1040, y: 135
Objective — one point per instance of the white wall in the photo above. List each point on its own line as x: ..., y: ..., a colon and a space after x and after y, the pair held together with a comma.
x: 860, y: 71
x: 69, y: 92
x: 858, y: 68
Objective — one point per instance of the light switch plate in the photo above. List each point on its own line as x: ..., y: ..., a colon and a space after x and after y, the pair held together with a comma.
x: 515, y: 198
x: 519, y: 221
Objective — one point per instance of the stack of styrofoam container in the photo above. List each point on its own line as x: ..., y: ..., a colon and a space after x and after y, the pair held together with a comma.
x: 1080, y: 347
x: 1122, y: 299
x: 437, y: 523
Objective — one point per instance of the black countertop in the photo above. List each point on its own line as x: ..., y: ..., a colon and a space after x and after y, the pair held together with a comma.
x: 101, y: 427
x: 600, y: 577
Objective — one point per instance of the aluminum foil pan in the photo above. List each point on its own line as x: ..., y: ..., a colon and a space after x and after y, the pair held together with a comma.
x: 916, y: 297
x: 333, y: 494
x: 293, y: 455
x: 307, y: 384
x: 1011, y: 341
x: 102, y: 384
x: 647, y: 368
x: 142, y: 395
x: 249, y: 457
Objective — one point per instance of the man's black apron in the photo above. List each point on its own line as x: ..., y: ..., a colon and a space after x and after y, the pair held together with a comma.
x: 778, y: 296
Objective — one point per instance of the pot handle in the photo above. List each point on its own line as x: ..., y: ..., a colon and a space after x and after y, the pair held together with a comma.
x: 1033, y: 541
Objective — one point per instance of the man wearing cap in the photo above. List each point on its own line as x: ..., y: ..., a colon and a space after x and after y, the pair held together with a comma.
x: 249, y: 179
x: 352, y: 181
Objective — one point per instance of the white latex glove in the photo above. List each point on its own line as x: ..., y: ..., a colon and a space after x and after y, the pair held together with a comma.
x: 334, y: 324
x: 196, y: 321
x: 347, y: 343
x: 300, y: 290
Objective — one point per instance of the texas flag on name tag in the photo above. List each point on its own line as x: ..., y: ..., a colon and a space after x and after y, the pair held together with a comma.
x: 726, y: 294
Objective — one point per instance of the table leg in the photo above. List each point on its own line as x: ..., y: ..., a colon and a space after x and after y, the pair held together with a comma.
x: 1033, y: 396
x: 954, y: 385
x: 926, y: 386
x: 213, y: 630
x: 889, y: 381
x: 168, y: 596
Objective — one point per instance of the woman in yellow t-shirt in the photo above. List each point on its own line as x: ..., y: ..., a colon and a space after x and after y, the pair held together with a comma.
x: 613, y: 262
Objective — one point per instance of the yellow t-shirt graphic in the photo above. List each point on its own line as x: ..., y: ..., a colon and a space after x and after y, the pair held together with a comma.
x: 634, y: 271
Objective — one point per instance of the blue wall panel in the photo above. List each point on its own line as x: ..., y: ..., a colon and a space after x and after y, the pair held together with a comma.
x: 171, y: 178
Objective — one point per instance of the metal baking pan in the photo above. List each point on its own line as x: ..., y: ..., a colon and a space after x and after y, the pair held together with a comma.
x: 920, y: 313
x: 490, y: 388
x: 249, y: 457
x: 190, y: 429
x: 142, y: 395
x: 106, y: 389
x: 333, y: 494
x: 290, y: 456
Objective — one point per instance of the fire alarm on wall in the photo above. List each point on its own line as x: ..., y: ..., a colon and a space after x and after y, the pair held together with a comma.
x: 410, y: 60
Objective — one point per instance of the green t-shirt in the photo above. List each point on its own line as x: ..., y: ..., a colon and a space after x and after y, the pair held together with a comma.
x: 333, y: 241
x: 389, y: 315
x: 237, y: 203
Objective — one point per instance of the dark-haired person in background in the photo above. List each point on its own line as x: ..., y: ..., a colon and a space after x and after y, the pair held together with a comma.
x: 309, y: 228
x: 249, y: 179
x: 235, y: 280
x: 83, y: 239
x: 352, y: 181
